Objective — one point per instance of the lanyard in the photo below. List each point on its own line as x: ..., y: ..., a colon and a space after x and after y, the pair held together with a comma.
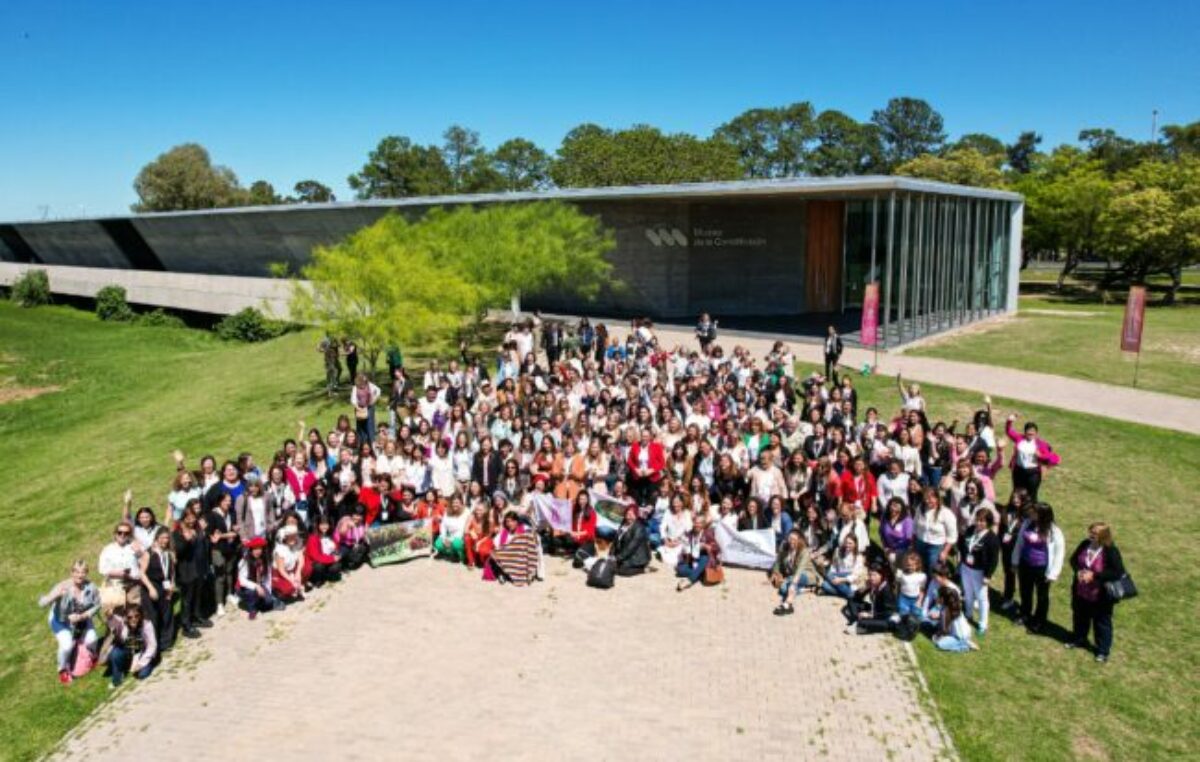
x: 1090, y: 555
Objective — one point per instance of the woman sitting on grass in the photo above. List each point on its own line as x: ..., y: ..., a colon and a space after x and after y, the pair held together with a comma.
x: 954, y: 631
x: 73, y: 602
x: 254, y: 579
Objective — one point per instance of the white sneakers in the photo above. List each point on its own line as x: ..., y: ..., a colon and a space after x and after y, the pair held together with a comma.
x: 220, y: 609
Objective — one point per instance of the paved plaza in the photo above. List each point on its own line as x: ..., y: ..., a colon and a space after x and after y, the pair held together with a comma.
x: 425, y: 659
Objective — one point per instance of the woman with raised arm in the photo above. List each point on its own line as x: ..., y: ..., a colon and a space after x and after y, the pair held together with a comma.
x: 73, y: 603
x: 1031, y: 456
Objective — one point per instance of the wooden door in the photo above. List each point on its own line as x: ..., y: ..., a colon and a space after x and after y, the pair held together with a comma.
x: 823, y: 257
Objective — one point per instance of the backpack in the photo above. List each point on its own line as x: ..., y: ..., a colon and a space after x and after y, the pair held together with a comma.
x: 908, y: 627
x: 603, y: 574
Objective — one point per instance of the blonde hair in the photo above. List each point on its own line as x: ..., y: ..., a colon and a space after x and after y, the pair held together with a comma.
x: 1103, y: 533
x: 79, y: 563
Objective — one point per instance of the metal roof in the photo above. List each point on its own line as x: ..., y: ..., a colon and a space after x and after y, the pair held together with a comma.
x: 792, y: 186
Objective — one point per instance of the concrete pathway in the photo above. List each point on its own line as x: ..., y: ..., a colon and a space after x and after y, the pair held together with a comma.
x: 1125, y: 404
x: 425, y: 660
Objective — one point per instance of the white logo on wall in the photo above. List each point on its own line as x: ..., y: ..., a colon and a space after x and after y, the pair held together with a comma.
x: 664, y: 236
x: 661, y: 235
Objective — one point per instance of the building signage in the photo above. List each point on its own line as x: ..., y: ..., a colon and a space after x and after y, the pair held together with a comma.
x: 1135, y: 316
x: 706, y: 238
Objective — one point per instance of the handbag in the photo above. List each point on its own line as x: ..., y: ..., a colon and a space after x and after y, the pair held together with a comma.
x: 1121, y: 589
x: 603, y: 573
x: 714, y: 575
x: 85, y: 660
x: 360, y: 413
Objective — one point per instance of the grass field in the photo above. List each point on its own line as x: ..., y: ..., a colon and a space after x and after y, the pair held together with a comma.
x: 128, y: 395
x: 1081, y: 339
x: 1025, y: 697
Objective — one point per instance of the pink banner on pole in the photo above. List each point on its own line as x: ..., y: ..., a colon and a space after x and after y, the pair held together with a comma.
x: 1135, y: 317
x: 870, y: 315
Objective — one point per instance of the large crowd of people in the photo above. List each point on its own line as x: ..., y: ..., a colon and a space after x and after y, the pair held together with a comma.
x: 682, y: 440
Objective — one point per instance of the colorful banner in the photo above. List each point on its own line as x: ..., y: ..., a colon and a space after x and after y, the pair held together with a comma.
x: 752, y: 548
x: 870, y: 315
x: 554, y: 512
x: 1135, y: 317
x: 610, y: 512
x: 393, y: 543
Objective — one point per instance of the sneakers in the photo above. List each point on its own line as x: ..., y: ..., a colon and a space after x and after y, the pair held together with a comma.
x: 253, y: 614
x: 64, y: 676
x: 231, y: 600
x: 204, y: 623
x: 784, y: 609
x: 1070, y: 644
x: 981, y: 632
x: 1101, y: 659
x: 191, y: 633
x: 220, y: 610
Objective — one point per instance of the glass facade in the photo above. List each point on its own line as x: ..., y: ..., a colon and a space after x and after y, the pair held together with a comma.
x: 941, y: 261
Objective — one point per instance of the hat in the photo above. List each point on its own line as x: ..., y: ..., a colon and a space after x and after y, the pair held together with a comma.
x: 286, y: 532
x: 256, y: 542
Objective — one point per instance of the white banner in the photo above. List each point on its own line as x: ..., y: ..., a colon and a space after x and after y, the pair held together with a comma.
x: 753, y: 548
x: 552, y: 511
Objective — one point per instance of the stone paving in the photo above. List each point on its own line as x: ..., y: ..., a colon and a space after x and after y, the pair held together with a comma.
x: 426, y: 659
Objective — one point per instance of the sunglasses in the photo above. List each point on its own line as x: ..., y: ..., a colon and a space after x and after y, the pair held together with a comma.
x: 123, y: 533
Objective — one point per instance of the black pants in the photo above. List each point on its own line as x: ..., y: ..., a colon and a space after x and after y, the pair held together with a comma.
x: 161, y: 615
x: 831, y: 362
x: 1029, y: 478
x: 189, y: 604
x: 1097, y: 616
x: 1033, y: 578
x: 322, y: 573
x: 629, y: 570
x: 644, y: 491
x: 1010, y: 572
x: 873, y: 625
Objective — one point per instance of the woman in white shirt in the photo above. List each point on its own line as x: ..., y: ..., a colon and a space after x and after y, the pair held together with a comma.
x: 183, y: 490
x: 449, y: 542
x: 441, y: 469
x: 936, y: 530
x: 674, y: 526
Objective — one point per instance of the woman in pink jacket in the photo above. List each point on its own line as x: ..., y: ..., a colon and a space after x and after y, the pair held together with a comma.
x: 1030, y: 455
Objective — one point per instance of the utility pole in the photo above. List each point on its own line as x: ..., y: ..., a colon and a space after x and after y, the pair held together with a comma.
x: 1154, y: 126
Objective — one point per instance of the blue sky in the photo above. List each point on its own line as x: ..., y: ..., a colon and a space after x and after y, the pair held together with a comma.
x: 90, y: 91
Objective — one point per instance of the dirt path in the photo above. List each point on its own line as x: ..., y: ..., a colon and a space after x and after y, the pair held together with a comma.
x: 426, y: 660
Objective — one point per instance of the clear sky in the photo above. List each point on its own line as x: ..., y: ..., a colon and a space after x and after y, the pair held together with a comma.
x: 92, y: 90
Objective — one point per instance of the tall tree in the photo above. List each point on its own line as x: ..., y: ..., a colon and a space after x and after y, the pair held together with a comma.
x: 313, y: 192
x: 398, y: 168
x: 771, y: 142
x: 909, y: 127
x: 593, y: 156
x: 1182, y: 139
x: 844, y: 146
x: 261, y: 193
x: 1022, y: 152
x: 521, y: 165
x: 980, y: 142
x: 185, y: 178
x: 467, y: 161
x: 961, y: 166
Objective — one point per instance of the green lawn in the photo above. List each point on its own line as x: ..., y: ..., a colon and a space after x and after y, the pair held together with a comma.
x: 1025, y: 697
x: 1050, y: 275
x: 1085, y: 343
x: 132, y: 394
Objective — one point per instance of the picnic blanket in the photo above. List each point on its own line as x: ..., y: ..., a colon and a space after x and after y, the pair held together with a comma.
x: 519, y: 558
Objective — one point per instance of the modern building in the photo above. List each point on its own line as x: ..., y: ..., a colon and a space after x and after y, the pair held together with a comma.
x: 792, y: 253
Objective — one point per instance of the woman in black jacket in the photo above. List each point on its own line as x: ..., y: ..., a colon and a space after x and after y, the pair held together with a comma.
x: 980, y: 556
x: 1096, y: 561
x: 878, y: 614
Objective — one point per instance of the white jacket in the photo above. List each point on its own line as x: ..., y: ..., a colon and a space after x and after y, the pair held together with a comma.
x: 1056, y: 550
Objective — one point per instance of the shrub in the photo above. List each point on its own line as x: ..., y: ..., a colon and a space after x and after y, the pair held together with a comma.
x: 161, y: 319
x: 249, y: 325
x: 31, y: 289
x: 111, y: 304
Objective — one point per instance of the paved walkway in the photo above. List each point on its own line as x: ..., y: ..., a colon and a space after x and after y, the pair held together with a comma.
x: 426, y: 660
x: 1125, y: 404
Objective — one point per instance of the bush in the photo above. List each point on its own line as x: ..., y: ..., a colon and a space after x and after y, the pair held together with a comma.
x: 249, y: 325
x: 111, y: 304
x: 31, y: 289
x: 161, y: 319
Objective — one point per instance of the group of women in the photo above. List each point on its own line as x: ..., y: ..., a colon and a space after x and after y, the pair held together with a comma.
x: 678, y: 442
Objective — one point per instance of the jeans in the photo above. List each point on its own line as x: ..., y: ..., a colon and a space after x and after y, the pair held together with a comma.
x: 693, y: 571
x: 252, y: 601
x: 975, y: 591
x: 951, y: 644
x: 1033, y: 578
x: 119, y: 661
x: 840, y: 589
x: 908, y: 604
x: 365, y: 427
x: 929, y: 554
x: 797, y: 585
x: 1095, y: 615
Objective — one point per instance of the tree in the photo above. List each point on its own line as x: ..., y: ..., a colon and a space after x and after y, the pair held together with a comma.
x: 470, y: 166
x: 771, y: 142
x: 908, y: 127
x: 521, y: 165
x: 261, y: 193
x: 403, y: 282
x: 592, y: 156
x: 844, y: 146
x: 398, y: 168
x: 1022, y: 152
x: 961, y: 166
x: 982, y: 143
x: 185, y: 178
x: 1182, y: 139
x: 313, y: 192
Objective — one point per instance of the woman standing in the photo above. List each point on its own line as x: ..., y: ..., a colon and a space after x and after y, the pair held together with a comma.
x: 1038, y: 554
x: 936, y: 530
x: 363, y: 397
x: 191, y: 567
x: 73, y: 603
x: 158, y: 577
x: 1031, y: 455
x: 1095, y: 561
x: 980, y: 555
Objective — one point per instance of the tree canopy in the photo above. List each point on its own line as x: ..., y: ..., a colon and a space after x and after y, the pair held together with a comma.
x: 908, y: 128
x: 185, y: 178
x: 593, y: 156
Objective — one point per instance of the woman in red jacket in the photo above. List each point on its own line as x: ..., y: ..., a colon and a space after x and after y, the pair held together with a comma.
x: 646, y: 462
x: 858, y: 487
x: 321, y: 553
